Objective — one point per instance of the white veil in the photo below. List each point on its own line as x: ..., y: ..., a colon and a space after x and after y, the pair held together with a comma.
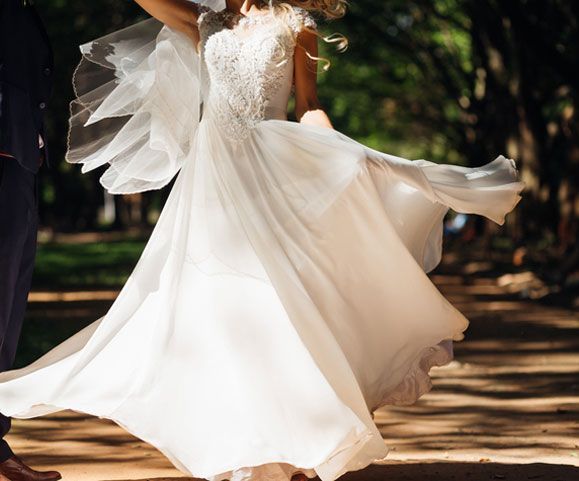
x: 137, y: 106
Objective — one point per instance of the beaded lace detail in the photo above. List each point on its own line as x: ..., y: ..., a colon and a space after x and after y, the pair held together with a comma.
x: 247, y: 59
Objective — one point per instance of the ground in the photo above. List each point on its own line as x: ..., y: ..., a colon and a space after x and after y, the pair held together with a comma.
x: 507, y: 408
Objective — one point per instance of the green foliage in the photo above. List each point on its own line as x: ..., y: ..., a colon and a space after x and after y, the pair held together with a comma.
x: 464, y: 81
x: 389, y: 80
x: 456, y: 81
x: 82, y: 266
x: 72, y: 267
x: 70, y: 199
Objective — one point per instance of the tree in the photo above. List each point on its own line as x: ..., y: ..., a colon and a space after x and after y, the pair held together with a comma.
x: 457, y: 81
x: 465, y: 80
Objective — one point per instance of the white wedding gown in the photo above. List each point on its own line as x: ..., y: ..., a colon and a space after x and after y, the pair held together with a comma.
x: 283, y: 295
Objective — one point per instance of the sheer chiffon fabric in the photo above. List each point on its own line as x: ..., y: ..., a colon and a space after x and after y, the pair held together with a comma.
x: 137, y: 107
x: 283, y: 295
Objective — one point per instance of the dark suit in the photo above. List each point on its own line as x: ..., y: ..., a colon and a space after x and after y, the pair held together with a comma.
x: 25, y: 81
x: 25, y: 84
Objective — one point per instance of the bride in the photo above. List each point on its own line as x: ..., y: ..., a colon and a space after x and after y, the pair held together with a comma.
x: 283, y: 295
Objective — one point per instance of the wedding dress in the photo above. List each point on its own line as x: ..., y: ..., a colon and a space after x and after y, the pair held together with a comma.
x: 283, y: 295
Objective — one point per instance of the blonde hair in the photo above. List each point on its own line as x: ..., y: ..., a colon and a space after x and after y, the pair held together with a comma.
x: 329, y: 9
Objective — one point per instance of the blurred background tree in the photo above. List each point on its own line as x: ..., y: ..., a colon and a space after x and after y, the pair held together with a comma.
x: 464, y: 81
x: 455, y: 81
x: 71, y: 201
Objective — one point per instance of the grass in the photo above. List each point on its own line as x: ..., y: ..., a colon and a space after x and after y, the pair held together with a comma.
x: 72, y: 266
x: 85, y: 265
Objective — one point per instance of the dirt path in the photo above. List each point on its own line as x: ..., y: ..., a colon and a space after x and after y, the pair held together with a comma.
x: 506, y: 408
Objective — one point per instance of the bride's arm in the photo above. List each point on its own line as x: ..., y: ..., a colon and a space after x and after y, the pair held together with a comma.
x: 179, y: 15
x: 308, y: 107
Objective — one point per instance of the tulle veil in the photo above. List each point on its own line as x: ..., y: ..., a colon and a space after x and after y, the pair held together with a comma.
x: 139, y: 96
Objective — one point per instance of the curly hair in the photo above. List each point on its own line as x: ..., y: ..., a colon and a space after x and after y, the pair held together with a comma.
x: 329, y: 9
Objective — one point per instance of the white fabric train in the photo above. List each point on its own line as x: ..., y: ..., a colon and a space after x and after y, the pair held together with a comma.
x: 283, y: 294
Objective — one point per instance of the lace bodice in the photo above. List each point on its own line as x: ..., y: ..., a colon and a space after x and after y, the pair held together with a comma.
x: 248, y: 63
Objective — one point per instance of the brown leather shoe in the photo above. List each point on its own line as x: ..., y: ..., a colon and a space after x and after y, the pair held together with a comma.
x: 15, y: 470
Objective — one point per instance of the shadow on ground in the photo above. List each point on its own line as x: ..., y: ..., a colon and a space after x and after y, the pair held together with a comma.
x: 436, y: 471
x: 510, y: 399
x: 464, y: 472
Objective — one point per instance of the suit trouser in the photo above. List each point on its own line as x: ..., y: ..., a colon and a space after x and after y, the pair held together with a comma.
x: 18, y: 229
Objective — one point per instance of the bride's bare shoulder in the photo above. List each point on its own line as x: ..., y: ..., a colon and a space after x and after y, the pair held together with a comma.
x: 302, y: 19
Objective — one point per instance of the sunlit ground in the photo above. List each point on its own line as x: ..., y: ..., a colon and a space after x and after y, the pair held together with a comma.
x: 506, y: 408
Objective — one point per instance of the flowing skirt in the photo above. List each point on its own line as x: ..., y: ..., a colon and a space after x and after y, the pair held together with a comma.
x: 281, y: 299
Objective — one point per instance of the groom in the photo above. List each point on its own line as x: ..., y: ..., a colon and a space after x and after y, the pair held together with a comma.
x: 25, y: 84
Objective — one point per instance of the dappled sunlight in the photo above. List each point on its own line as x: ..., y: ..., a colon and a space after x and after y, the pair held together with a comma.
x: 441, y: 426
x: 512, y: 393
x: 75, y: 443
x: 75, y: 296
x: 509, y: 399
x: 159, y: 479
